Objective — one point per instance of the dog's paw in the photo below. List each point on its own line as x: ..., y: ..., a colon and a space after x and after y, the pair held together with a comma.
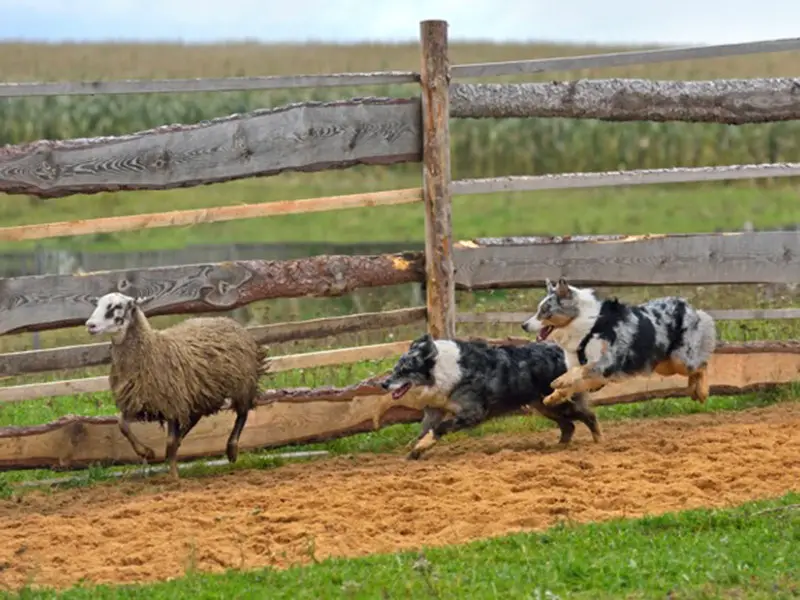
x: 568, y: 379
x: 555, y: 398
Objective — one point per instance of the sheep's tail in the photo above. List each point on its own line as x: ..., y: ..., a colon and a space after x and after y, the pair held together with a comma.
x: 264, y: 362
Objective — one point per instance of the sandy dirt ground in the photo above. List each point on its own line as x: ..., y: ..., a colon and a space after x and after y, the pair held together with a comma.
x: 146, y: 530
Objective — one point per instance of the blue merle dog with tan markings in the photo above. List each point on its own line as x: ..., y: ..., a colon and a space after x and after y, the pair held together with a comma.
x: 607, y: 340
x: 467, y: 382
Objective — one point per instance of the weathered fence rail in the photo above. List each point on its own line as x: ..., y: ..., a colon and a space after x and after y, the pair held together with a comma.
x: 515, y: 67
x: 197, y: 216
x: 376, y: 131
x: 621, y: 59
x: 686, y: 259
x: 219, y: 84
x: 729, y: 101
x: 311, y: 136
x: 50, y: 261
x: 55, y: 301
x: 315, y: 136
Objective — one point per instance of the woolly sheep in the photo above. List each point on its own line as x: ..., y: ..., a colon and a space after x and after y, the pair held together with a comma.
x: 179, y: 374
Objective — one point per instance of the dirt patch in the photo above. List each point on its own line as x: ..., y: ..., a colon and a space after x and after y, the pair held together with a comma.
x: 148, y: 530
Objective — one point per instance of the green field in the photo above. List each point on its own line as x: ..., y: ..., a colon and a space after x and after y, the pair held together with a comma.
x: 700, y: 554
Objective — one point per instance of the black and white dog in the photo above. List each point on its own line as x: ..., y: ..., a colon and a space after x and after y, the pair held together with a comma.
x: 471, y: 381
x: 608, y: 340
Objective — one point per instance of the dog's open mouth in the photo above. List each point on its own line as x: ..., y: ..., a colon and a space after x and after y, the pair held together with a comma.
x: 400, y: 392
x: 544, y: 332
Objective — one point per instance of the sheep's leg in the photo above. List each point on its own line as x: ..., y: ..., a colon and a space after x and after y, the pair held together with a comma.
x: 232, y: 449
x: 173, y: 443
x: 138, y: 447
x: 193, y: 420
x: 176, y: 434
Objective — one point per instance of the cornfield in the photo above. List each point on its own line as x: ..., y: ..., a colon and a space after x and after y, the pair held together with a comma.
x: 480, y: 148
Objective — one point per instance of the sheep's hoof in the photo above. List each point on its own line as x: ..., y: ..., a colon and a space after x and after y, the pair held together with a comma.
x: 232, y: 452
x: 148, y: 454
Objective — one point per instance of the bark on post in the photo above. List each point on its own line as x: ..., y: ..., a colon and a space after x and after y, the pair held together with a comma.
x: 440, y: 278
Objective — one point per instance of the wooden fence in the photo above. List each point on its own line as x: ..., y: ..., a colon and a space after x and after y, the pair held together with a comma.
x: 314, y: 136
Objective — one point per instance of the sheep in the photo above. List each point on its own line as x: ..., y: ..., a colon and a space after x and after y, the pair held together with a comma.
x: 179, y: 374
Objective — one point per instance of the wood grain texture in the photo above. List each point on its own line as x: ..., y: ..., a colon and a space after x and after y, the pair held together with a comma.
x: 52, y: 301
x: 621, y: 59
x: 89, y: 355
x: 220, y: 84
x: 310, y: 136
x: 215, y: 214
x: 293, y: 416
x: 439, y: 269
x: 738, y: 314
x: 691, y: 259
x: 728, y: 101
x: 562, y: 181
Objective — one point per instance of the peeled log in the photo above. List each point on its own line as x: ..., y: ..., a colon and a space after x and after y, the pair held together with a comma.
x: 729, y: 101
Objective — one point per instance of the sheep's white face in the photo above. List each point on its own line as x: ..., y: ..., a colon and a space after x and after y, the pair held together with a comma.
x: 112, y: 314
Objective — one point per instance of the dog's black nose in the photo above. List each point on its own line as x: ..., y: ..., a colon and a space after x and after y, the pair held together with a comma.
x: 524, y: 327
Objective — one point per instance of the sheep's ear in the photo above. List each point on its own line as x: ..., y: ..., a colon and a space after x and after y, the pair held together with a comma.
x: 549, y: 286
x: 93, y: 300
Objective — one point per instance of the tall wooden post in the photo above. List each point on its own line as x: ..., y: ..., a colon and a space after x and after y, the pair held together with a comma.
x: 440, y: 278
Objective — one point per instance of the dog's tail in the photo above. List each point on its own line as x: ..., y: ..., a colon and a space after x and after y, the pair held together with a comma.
x: 707, y: 335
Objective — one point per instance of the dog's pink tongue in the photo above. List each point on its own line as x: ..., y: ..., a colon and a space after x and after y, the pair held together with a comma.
x: 543, y: 333
x: 398, y: 393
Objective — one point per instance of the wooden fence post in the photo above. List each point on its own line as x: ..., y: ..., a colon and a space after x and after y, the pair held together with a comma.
x: 439, y: 270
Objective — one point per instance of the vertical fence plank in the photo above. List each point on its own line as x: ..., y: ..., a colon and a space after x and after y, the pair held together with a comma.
x: 440, y: 278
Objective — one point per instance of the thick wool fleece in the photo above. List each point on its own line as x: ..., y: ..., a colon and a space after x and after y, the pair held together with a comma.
x: 186, y: 370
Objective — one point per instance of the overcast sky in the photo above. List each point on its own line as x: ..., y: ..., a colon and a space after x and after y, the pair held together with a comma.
x: 600, y: 21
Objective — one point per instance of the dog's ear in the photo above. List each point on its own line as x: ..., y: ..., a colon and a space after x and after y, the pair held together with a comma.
x: 428, y: 345
x: 562, y: 289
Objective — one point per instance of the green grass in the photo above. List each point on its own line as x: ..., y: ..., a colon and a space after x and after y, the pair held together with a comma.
x: 731, y: 553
